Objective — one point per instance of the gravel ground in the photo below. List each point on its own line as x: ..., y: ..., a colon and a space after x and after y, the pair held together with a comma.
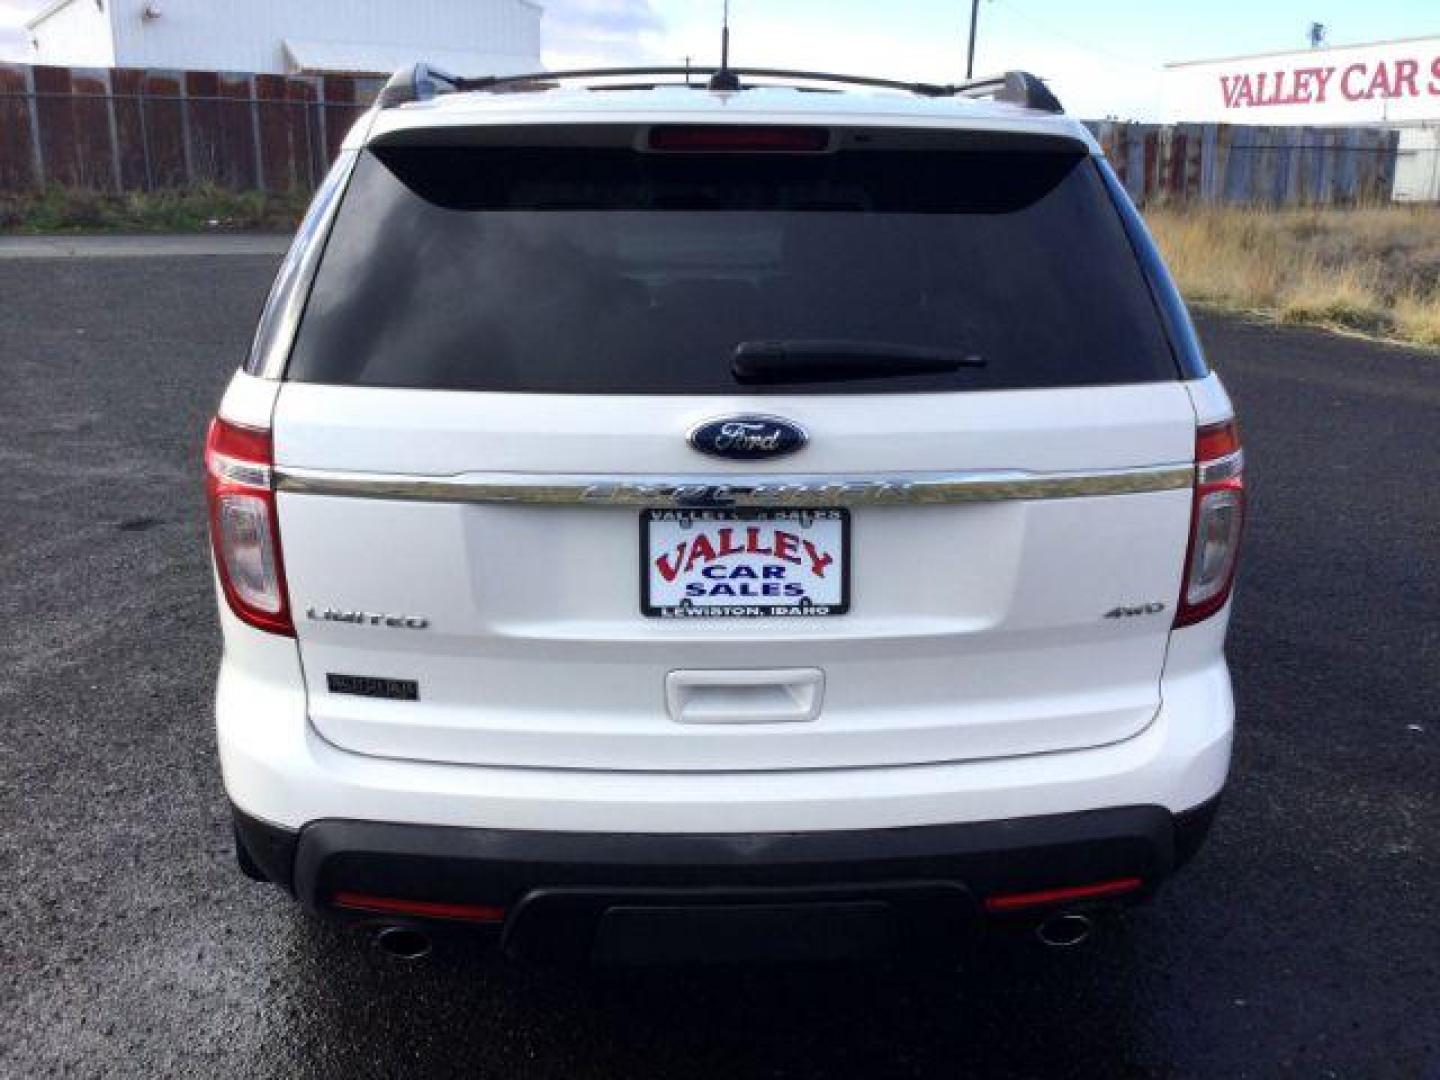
x: 1302, y: 942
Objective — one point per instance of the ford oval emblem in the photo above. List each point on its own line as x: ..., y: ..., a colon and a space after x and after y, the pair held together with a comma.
x: 748, y: 437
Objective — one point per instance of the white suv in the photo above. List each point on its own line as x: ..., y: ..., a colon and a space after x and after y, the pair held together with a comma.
x: 658, y: 519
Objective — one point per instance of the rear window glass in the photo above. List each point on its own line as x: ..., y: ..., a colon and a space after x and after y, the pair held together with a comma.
x: 558, y: 270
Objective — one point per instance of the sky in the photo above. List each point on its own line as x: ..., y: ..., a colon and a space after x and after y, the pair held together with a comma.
x: 1102, y: 57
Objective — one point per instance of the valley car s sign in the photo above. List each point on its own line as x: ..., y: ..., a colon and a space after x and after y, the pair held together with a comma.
x: 1390, y: 82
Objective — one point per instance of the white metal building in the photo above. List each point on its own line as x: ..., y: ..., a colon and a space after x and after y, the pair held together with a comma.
x: 1388, y: 83
x: 287, y: 37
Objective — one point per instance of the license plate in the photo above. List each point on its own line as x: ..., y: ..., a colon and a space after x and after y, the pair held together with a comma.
x: 744, y: 563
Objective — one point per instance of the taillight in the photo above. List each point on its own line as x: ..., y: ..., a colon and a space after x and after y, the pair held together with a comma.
x: 243, y: 528
x: 1216, y: 519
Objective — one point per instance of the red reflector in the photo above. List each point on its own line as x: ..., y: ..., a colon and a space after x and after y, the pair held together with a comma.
x: 726, y: 139
x: 1019, y: 901
x: 433, y: 909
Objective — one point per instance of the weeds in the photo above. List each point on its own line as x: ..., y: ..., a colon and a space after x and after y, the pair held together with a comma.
x: 1375, y: 270
x: 64, y: 210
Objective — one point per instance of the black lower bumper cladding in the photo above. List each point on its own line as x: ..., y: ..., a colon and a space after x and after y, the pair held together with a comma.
x: 613, y: 897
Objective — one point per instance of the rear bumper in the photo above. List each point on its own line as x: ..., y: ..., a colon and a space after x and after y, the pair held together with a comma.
x: 277, y: 768
x: 560, y: 891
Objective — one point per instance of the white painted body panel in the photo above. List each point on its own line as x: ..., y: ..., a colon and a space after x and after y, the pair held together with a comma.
x: 249, y: 400
x: 1211, y: 401
x: 975, y: 631
x: 974, y: 679
x: 758, y: 105
x: 279, y: 769
x: 436, y: 433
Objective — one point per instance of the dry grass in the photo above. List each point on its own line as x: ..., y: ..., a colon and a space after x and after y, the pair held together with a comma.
x: 1418, y: 318
x: 1372, y: 270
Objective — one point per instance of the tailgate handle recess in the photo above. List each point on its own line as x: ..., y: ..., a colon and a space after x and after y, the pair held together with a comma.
x: 774, y: 696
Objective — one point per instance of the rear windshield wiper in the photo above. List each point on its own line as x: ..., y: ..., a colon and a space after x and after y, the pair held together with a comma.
x: 834, y: 361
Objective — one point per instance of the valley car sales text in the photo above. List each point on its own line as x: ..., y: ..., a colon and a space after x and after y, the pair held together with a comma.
x: 1315, y: 85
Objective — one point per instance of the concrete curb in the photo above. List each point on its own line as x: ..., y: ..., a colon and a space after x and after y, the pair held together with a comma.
x: 109, y: 247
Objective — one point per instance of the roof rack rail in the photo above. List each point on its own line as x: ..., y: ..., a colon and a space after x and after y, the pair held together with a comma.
x: 422, y: 82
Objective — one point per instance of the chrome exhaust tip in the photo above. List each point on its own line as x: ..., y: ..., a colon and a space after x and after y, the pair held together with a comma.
x: 1065, y: 930
x: 403, y: 942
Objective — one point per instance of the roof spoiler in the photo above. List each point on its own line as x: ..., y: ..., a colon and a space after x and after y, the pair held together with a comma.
x: 418, y: 82
x: 421, y: 82
x: 1014, y: 88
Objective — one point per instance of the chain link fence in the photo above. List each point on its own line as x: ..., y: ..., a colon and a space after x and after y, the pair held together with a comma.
x: 123, y: 129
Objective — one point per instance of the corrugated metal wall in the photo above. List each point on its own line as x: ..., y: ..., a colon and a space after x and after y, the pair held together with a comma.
x: 1417, y: 164
x: 1228, y: 163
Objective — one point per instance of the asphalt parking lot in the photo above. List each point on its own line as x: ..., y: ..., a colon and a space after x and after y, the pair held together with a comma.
x: 1304, y: 941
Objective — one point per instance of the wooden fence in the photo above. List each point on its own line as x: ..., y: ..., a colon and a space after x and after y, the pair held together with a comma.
x: 124, y: 129
x: 127, y: 130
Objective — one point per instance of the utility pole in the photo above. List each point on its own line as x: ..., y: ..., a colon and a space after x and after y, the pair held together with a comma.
x: 970, y: 56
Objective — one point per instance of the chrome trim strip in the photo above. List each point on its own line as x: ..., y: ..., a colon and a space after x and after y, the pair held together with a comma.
x: 899, y: 489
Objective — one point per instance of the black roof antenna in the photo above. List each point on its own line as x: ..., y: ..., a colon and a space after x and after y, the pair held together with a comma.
x: 724, y: 79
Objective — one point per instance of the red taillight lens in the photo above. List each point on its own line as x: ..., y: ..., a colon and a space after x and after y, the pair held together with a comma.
x: 243, y: 529
x: 729, y: 139
x: 1216, y: 519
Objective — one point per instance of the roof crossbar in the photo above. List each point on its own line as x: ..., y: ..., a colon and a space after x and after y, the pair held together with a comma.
x: 422, y: 82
